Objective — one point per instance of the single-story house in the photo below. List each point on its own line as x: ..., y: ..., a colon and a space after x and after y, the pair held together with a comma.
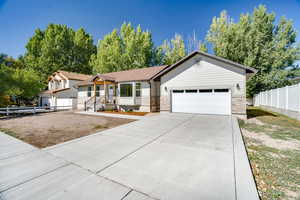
x: 61, y: 92
x: 198, y: 83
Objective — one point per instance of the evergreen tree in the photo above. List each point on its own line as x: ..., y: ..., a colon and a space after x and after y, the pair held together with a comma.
x: 257, y: 41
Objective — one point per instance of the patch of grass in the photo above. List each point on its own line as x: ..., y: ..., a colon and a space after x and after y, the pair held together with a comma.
x: 273, y: 118
x: 256, y: 112
x: 9, y: 132
x: 99, y: 126
x: 241, y: 123
x: 254, y: 127
x: 283, y: 134
x: 275, y: 170
x: 275, y: 125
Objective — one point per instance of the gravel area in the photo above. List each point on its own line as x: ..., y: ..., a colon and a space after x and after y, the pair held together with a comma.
x: 53, y: 128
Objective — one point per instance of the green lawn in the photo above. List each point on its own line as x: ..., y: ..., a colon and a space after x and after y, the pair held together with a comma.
x: 273, y: 143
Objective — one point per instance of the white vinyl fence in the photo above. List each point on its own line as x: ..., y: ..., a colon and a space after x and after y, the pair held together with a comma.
x: 286, y: 98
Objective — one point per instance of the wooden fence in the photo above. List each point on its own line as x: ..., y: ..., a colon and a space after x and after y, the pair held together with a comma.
x: 32, y: 110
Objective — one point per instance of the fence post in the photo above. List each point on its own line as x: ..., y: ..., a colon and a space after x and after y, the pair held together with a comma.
x: 7, y: 111
x: 298, y: 97
x: 34, y: 111
x: 287, y: 97
x: 278, y: 98
x: 271, y: 98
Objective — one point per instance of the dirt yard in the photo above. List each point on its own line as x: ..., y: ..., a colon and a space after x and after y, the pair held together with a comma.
x: 53, y: 128
x: 273, y: 145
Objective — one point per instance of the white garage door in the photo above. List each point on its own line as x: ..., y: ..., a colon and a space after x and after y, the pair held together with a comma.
x: 64, y: 103
x: 203, y: 101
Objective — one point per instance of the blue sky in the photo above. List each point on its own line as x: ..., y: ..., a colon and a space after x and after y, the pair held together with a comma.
x: 19, y: 18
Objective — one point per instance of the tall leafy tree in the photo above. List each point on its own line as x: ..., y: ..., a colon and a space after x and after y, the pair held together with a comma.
x: 59, y: 47
x: 127, y: 48
x: 18, y: 84
x: 256, y: 40
x: 194, y: 44
x: 173, y: 50
x: 6, y: 81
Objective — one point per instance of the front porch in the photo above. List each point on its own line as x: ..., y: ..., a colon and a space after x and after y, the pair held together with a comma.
x: 104, y: 94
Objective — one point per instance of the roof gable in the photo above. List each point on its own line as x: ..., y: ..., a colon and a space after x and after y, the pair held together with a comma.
x: 191, y: 55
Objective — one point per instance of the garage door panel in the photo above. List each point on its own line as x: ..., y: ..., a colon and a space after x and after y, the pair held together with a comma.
x: 64, y: 103
x: 203, y: 103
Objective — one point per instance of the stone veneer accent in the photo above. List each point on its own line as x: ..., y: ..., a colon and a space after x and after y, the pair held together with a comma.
x: 165, y: 103
x: 238, y: 105
x: 155, y: 103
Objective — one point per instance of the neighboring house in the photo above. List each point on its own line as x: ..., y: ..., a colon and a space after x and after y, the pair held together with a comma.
x: 61, y: 91
x: 199, y: 83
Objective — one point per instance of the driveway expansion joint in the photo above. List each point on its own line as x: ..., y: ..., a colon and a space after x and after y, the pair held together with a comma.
x: 233, y: 155
x: 144, y: 145
x: 33, y: 178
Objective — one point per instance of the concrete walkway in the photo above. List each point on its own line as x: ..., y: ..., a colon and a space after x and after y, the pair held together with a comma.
x: 167, y: 156
x: 111, y: 115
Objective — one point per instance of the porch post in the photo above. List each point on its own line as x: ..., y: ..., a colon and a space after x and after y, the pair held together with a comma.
x: 94, y: 96
x: 104, y: 92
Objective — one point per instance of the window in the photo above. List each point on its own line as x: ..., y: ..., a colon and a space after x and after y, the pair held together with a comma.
x: 191, y: 91
x: 138, y: 89
x: 205, y: 91
x: 221, y: 90
x: 89, y: 92
x: 126, y: 90
x: 98, y: 91
x: 178, y: 91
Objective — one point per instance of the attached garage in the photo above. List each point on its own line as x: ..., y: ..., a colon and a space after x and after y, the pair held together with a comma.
x: 202, y: 101
x: 64, y: 103
x: 205, y: 84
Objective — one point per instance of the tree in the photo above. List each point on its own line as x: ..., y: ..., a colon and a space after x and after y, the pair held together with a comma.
x: 5, y: 81
x: 172, y: 51
x: 257, y: 41
x: 27, y: 84
x: 59, y: 47
x: 194, y: 44
x: 126, y: 49
x: 18, y: 84
x: 3, y: 58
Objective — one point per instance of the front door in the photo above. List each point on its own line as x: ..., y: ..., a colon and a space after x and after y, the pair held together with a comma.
x: 110, y: 93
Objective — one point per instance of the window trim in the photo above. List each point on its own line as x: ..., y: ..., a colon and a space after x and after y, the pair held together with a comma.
x: 89, y: 91
x: 97, y: 91
x: 140, y: 90
x: 131, y: 84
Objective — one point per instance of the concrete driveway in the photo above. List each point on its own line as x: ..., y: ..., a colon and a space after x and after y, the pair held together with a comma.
x: 167, y: 156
